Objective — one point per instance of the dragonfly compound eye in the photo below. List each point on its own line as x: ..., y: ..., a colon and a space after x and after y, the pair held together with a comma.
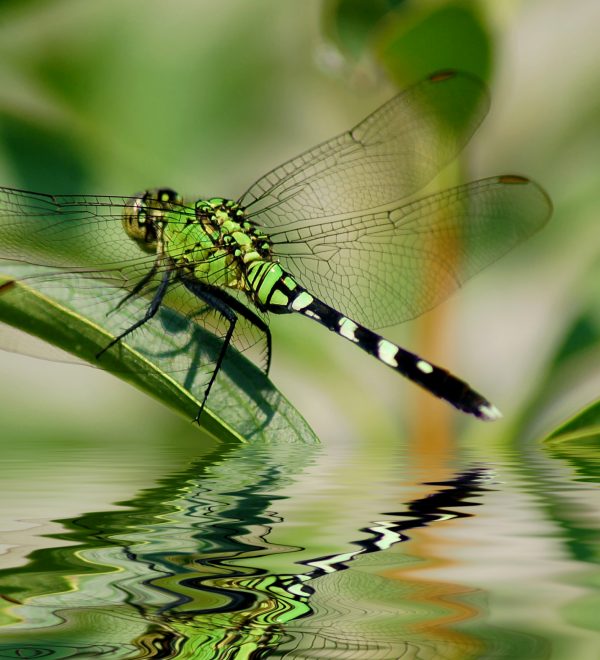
x: 144, y: 212
x: 165, y: 196
x: 139, y: 220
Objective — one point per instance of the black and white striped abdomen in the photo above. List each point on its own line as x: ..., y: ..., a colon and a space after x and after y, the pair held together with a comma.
x: 436, y: 380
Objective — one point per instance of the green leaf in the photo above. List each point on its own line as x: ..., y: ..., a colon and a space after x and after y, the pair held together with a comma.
x: 243, y: 403
x: 411, y: 40
x: 451, y: 36
x: 577, y: 442
x: 585, y: 424
x: 351, y: 23
x: 573, y: 364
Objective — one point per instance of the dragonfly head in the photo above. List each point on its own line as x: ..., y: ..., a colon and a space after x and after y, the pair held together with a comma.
x: 143, y: 214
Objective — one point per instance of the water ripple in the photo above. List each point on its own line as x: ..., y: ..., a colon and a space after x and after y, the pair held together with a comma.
x: 266, y: 550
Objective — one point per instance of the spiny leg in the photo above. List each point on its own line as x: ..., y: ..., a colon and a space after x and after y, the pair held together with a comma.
x: 214, y: 298
x: 241, y: 309
x: 436, y: 380
x: 252, y: 318
x: 150, y: 312
x: 138, y: 287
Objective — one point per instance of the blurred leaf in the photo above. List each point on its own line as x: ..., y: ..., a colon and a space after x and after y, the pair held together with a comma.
x: 243, y: 403
x: 43, y: 155
x: 577, y: 441
x: 584, y: 424
x: 576, y: 357
x: 411, y: 40
x: 351, y: 23
x: 583, y: 334
x: 417, y: 41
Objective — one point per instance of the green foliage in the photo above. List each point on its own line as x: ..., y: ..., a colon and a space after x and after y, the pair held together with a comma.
x: 573, y: 362
x: 577, y: 442
x: 410, y: 40
x: 351, y: 23
x: 584, y: 425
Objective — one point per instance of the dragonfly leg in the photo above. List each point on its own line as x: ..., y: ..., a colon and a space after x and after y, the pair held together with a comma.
x: 237, y: 307
x: 137, y: 288
x: 218, y: 301
x: 252, y: 318
x: 150, y: 312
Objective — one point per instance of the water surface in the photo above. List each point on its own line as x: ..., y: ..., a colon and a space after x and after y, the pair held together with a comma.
x: 300, y: 551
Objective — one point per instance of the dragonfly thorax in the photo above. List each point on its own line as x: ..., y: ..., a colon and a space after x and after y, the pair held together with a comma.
x: 222, y: 244
x: 210, y: 240
x: 225, y: 221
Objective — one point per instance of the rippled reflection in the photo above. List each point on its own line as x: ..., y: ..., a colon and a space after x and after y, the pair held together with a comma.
x: 199, y: 566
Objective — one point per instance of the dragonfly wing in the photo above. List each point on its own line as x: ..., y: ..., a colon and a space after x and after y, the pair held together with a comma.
x: 389, y: 265
x: 63, y: 231
x: 391, y: 154
x: 73, y: 233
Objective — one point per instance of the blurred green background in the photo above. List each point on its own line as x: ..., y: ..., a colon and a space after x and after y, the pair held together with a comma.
x: 116, y: 97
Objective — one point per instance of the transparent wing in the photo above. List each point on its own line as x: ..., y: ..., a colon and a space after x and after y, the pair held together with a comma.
x: 393, y: 153
x: 388, y: 265
x: 69, y: 231
x: 73, y: 248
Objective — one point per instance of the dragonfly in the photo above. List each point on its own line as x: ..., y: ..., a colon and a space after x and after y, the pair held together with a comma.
x: 341, y: 234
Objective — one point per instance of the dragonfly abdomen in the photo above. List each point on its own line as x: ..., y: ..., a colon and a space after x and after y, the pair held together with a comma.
x: 436, y: 380
x: 271, y: 288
